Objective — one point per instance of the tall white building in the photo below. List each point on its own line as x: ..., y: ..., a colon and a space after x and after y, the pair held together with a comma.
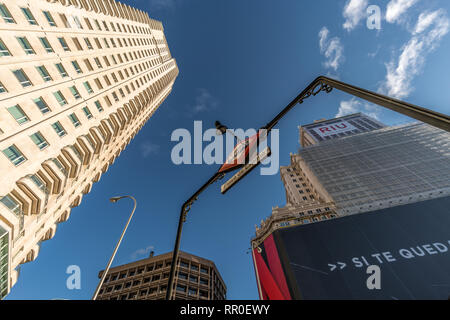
x: 78, y: 80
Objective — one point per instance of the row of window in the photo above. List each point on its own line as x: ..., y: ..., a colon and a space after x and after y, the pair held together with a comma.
x: 155, y: 278
x: 21, y: 117
x: 8, y: 18
x: 157, y: 266
x: 191, y: 291
x: 25, y: 81
x: 16, y: 156
x: 132, y: 295
x: 26, y: 46
x: 310, y: 212
x: 307, y: 221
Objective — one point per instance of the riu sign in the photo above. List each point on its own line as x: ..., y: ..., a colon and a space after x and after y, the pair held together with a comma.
x: 335, y: 128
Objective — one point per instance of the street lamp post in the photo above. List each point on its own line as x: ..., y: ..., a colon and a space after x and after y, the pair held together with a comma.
x: 320, y: 84
x: 114, y: 200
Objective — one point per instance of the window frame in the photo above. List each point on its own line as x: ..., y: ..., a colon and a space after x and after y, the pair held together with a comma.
x: 88, y: 87
x: 75, y: 94
x: 64, y: 44
x: 62, y: 71
x: 6, y: 14
x: 87, y: 112
x: 49, y: 17
x: 27, y: 13
x: 63, y: 100
x: 21, y: 120
x: 27, y: 79
x: 44, y: 41
x: 46, y: 107
x: 26, y: 45
x: 77, y: 67
x: 5, y: 50
x: 43, y: 143
x: 58, y: 125
x: 16, y: 151
x: 75, y: 120
x: 43, y: 72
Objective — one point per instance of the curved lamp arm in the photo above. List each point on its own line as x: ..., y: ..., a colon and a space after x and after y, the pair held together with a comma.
x: 114, y: 200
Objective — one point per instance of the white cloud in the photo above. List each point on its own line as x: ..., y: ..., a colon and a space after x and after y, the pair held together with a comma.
x: 425, y: 20
x: 141, y: 252
x: 204, y: 101
x: 375, y: 53
x: 410, y: 63
x: 355, y: 105
x: 148, y: 149
x: 332, y: 49
x: 162, y: 4
x: 396, y: 8
x: 439, y: 20
x: 354, y: 12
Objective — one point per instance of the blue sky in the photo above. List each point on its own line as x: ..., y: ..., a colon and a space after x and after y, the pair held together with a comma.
x: 241, y: 62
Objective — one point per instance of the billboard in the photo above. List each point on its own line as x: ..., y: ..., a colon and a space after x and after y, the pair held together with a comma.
x: 335, y: 128
x: 409, y: 244
x: 341, y: 127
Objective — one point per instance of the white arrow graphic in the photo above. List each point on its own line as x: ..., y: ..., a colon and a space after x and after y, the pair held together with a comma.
x: 333, y: 267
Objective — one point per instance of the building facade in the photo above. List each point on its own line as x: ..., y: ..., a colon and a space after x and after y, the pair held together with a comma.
x: 353, y: 165
x: 195, y: 279
x: 307, y: 197
x: 383, y: 168
x: 78, y: 80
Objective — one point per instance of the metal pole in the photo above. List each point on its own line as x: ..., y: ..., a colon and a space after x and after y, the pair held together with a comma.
x: 184, y: 210
x: 326, y: 84
x: 117, y: 245
x: 175, y: 252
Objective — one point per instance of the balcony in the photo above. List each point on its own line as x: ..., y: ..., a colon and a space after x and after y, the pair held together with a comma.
x: 109, y: 130
x: 36, y: 192
x: 99, y: 138
x: 32, y: 254
x: 12, y: 210
x: 115, y: 124
x: 57, y: 176
x: 87, y: 149
x: 50, y: 233
x: 64, y: 216
x: 133, y: 109
x: 97, y: 177
x: 121, y: 118
x: 105, y: 168
x: 137, y: 104
x: 76, y: 202
x: 87, y: 189
x: 127, y: 111
x: 111, y: 160
x: 74, y: 159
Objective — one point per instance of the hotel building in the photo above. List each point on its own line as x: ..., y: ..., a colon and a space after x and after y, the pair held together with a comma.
x: 352, y: 165
x: 196, y: 279
x: 78, y: 80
